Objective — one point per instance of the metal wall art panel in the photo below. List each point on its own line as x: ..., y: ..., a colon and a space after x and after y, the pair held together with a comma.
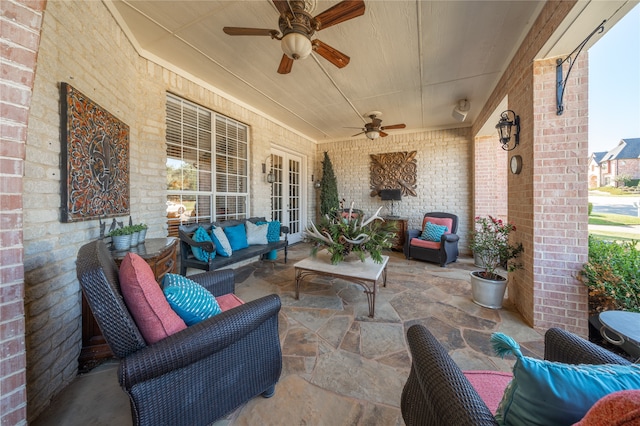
x: 95, y: 159
x: 394, y: 170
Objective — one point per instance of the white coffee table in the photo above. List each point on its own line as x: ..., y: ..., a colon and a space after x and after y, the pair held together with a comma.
x: 365, y: 274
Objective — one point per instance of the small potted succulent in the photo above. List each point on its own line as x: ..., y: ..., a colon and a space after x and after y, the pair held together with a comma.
x: 121, y: 237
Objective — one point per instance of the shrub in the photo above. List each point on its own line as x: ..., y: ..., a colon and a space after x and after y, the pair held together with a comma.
x: 612, y: 275
x: 590, y: 208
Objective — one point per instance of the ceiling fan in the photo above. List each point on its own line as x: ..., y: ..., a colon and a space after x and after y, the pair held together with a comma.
x: 373, y: 130
x: 297, y: 27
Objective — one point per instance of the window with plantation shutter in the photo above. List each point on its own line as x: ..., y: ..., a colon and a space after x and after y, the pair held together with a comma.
x: 207, y: 165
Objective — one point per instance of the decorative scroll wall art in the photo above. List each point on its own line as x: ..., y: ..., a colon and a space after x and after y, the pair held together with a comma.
x: 394, y: 170
x: 95, y: 159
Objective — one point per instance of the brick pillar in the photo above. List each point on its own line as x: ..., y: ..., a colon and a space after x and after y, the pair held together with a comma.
x: 560, y: 228
x: 489, y: 178
x: 21, y: 22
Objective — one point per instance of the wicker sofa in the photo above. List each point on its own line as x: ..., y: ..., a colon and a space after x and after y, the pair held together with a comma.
x: 438, y: 393
x: 188, y: 260
x: 197, y: 375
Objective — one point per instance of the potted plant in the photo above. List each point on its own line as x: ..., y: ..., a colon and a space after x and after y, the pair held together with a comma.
x: 141, y: 228
x: 121, y: 237
x: 344, y: 235
x: 490, y: 245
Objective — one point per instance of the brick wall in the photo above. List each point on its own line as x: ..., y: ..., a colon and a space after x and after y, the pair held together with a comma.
x: 444, y: 168
x: 102, y: 64
x: 20, y: 22
x: 490, y: 178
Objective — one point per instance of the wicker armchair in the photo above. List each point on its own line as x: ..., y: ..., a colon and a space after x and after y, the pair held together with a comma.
x: 443, y: 252
x: 197, y: 375
x: 438, y: 393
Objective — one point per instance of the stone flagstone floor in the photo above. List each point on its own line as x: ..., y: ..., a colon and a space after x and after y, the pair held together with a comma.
x: 341, y: 367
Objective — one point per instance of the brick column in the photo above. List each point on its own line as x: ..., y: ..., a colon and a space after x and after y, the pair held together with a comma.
x: 21, y: 22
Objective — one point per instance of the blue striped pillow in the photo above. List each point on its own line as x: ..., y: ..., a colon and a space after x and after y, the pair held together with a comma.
x: 192, y: 302
x: 433, y: 232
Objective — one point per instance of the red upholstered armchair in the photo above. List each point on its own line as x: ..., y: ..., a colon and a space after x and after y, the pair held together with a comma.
x: 439, y: 247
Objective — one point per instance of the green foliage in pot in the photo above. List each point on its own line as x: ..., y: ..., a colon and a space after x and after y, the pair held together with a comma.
x: 125, y: 230
x: 490, y: 242
x: 612, y: 275
x: 328, y: 187
x: 139, y: 227
x: 342, y: 236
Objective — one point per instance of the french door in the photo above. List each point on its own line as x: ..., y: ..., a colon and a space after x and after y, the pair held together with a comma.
x: 287, y: 199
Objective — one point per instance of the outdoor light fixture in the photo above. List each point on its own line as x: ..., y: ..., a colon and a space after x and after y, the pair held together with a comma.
x: 270, y: 177
x: 508, y: 119
x: 296, y: 45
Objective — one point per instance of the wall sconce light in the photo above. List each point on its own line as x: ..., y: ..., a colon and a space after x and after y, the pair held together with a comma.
x: 316, y: 183
x: 270, y: 177
x: 508, y: 119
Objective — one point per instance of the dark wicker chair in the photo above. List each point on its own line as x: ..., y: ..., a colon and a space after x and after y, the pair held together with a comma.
x: 197, y: 375
x: 445, y: 252
x: 438, y: 393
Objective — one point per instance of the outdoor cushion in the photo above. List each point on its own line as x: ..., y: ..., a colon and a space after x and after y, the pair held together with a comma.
x: 237, y: 236
x: 228, y: 301
x: 552, y: 393
x: 256, y: 234
x: 620, y: 408
x: 426, y: 244
x: 223, y: 248
x: 433, y: 232
x: 192, y: 302
x: 490, y: 385
x: 446, y: 221
x: 145, y: 300
x: 200, y: 236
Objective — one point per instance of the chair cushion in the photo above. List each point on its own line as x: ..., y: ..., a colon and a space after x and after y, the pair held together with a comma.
x: 256, y: 234
x: 425, y: 244
x: 433, y: 232
x: 620, y: 408
x: 445, y: 221
x: 223, y: 248
x: 192, y: 302
x: 228, y: 301
x: 200, y: 236
x: 553, y: 393
x: 145, y: 300
x: 237, y: 236
x: 490, y: 385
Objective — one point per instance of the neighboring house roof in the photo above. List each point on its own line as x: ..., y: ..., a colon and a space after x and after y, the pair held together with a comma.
x: 626, y: 149
x: 598, y: 156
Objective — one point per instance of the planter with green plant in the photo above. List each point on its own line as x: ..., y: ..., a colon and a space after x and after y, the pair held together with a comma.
x: 489, y: 242
x: 121, y: 237
x: 348, y: 235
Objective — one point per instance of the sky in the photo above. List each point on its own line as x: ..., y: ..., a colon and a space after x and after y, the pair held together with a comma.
x: 614, y: 84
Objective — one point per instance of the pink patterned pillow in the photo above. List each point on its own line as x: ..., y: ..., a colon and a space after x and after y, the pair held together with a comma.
x: 616, y: 409
x: 145, y: 300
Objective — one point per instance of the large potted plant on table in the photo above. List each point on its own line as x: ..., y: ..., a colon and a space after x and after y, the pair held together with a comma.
x: 490, y: 245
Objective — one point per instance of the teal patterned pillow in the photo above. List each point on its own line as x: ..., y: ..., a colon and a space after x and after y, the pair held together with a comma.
x: 433, y: 232
x: 201, y: 236
x: 273, y: 234
x: 192, y: 302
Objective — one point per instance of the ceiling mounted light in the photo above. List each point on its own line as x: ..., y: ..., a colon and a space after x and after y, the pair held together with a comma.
x: 461, y: 110
x: 373, y: 134
x: 508, y: 119
x: 296, y: 45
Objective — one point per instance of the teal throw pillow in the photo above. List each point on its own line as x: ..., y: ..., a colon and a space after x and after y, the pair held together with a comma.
x: 192, y: 302
x: 553, y: 393
x: 433, y: 232
x: 201, y: 236
x: 256, y: 234
x: 237, y: 236
x: 223, y: 248
x: 273, y: 234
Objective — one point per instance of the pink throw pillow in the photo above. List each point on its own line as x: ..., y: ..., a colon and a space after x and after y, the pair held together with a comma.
x: 228, y: 301
x: 145, y: 300
x: 444, y: 221
x: 616, y: 409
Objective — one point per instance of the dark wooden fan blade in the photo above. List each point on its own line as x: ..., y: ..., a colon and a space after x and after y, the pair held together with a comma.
x: 281, y: 5
x: 343, y: 11
x: 332, y: 55
x: 285, y: 65
x: 357, y: 134
x: 393, y: 126
x: 235, y: 31
x: 383, y: 134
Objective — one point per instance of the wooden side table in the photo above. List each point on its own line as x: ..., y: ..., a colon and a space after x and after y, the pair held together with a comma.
x: 401, y: 231
x: 160, y: 254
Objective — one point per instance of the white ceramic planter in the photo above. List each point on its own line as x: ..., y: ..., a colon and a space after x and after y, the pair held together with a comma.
x: 488, y: 293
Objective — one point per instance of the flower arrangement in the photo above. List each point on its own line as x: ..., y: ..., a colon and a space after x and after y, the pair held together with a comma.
x: 355, y: 234
x: 490, y: 242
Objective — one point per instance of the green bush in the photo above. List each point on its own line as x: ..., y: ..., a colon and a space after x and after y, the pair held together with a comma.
x: 612, y: 275
x: 590, y: 208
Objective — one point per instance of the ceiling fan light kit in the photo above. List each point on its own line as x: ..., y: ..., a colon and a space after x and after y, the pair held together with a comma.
x: 374, y: 130
x: 296, y: 46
